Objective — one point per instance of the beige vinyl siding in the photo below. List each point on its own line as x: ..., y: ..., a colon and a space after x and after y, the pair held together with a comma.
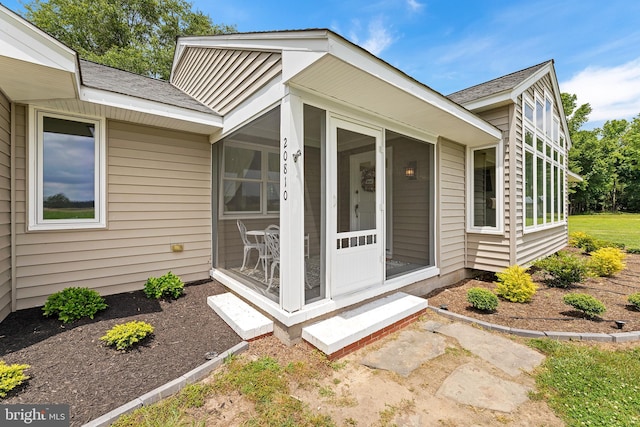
x: 223, y: 78
x: 541, y: 243
x: 5, y: 206
x: 159, y: 192
x: 535, y: 244
x: 491, y: 252
x: 451, y: 205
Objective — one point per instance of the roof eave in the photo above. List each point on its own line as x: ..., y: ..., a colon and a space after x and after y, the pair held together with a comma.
x: 127, y: 102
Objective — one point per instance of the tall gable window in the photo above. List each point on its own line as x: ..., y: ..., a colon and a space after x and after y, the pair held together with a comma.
x: 67, y: 171
x: 544, y: 165
x: 485, y: 190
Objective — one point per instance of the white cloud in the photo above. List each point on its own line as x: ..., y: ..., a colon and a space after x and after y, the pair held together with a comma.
x: 613, y: 93
x: 378, y: 37
x: 414, y: 5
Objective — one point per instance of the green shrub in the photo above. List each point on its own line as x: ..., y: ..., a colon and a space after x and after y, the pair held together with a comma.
x: 634, y: 299
x: 482, y: 299
x: 515, y: 284
x: 590, y: 306
x: 167, y: 286
x: 125, y: 335
x: 606, y: 261
x: 589, y: 243
x: 74, y: 303
x: 11, y: 376
x: 563, y: 269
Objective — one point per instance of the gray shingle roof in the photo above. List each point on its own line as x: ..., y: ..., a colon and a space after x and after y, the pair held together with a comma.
x: 495, y: 86
x: 125, y: 83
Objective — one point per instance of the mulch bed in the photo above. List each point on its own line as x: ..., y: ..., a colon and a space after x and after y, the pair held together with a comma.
x: 547, y: 311
x: 69, y: 363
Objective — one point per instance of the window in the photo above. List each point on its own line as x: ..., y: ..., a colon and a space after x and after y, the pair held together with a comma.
x: 485, y: 190
x: 544, y: 168
x: 251, y: 180
x: 67, y: 164
x: 250, y: 169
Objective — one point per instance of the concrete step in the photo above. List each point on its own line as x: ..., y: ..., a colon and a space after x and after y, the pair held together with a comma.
x: 245, y: 320
x: 350, y: 330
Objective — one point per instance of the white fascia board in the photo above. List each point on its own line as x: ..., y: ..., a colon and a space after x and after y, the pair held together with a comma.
x: 103, y: 97
x: 260, y: 102
x: 24, y: 41
x: 373, y: 65
x: 526, y: 83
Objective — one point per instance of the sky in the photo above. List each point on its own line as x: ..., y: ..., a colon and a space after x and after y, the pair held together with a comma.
x: 450, y: 45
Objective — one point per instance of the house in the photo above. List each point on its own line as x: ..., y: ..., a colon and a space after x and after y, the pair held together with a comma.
x: 377, y: 182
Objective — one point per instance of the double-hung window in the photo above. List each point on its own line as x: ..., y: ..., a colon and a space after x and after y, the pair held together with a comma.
x: 250, y: 180
x: 544, y: 164
x: 67, y: 171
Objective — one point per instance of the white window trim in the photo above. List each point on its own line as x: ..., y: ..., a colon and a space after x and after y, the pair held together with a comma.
x: 548, y: 140
x: 499, y: 228
x: 35, y: 186
x: 264, y: 164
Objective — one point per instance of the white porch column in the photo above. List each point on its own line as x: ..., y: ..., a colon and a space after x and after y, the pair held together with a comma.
x: 291, y: 204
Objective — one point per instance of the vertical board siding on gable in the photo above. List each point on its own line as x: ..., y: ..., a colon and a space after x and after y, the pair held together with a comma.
x: 5, y: 207
x: 490, y: 252
x: 159, y: 193
x: 451, y: 205
x: 223, y: 78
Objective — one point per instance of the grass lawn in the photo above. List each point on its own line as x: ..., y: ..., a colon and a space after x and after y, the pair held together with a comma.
x: 590, y: 386
x: 69, y: 213
x: 617, y: 228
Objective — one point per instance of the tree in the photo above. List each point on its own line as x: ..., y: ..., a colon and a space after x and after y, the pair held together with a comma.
x: 576, y: 117
x: 630, y: 166
x: 133, y: 35
x: 57, y: 201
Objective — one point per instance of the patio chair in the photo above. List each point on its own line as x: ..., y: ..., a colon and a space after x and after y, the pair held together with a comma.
x: 272, y: 240
x: 249, y: 245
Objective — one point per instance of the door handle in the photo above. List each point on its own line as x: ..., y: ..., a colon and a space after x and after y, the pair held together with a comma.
x: 356, y: 209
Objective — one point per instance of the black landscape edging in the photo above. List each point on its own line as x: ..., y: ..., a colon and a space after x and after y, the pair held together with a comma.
x: 580, y: 336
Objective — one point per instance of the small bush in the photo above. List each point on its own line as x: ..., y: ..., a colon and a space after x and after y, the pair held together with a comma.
x: 563, y: 269
x: 125, y: 335
x: 11, y: 376
x: 74, y: 303
x: 515, y: 284
x: 606, y: 261
x: 634, y: 299
x: 482, y: 299
x: 589, y: 243
x: 590, y: 306
x: 167, y: 286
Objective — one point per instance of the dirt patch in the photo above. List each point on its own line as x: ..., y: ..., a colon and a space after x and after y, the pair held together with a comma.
x: 354, y: 394
x: 69, y: 363
x: 546, y: 311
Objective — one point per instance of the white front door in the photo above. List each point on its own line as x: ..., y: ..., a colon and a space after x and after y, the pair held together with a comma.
x: 357, y: 216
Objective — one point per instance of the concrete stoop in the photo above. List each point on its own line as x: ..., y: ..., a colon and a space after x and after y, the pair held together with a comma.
x: 353, y: 329
x: 245, y: 320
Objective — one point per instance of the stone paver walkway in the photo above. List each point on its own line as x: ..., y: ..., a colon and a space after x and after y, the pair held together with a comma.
x: 470, y: 383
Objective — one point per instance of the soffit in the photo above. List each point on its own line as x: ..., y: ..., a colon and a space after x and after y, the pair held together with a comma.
x: 334, y: 78
x: 34, y: 65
